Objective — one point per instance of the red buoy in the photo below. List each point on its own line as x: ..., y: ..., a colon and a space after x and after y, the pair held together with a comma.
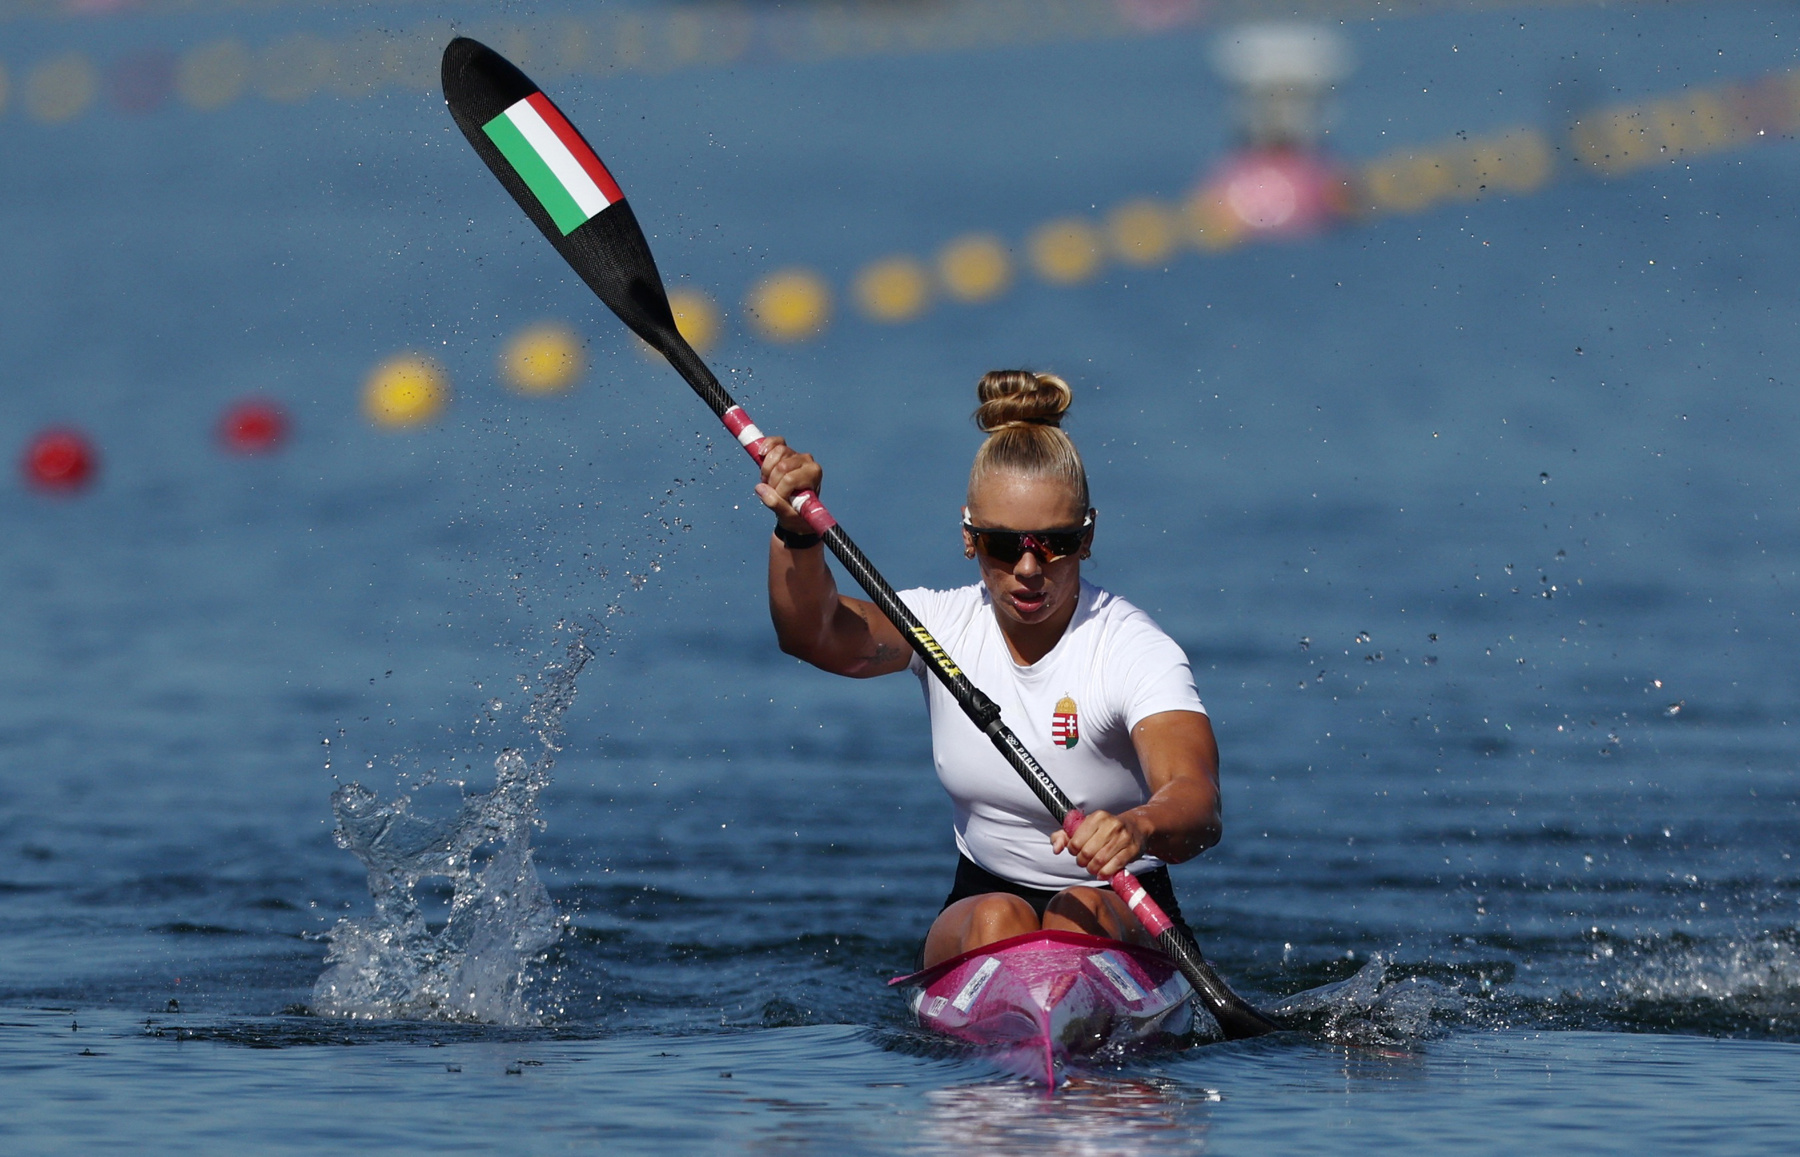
x: 142, y: 82
x: 59, y: 460
x: 253, y: 426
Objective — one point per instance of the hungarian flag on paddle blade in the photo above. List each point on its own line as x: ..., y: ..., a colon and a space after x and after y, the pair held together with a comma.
x: 560, y: 183
x: 557, y: 165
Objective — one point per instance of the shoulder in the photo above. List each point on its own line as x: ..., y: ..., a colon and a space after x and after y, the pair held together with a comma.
x: 934, y: 605
x: 1118, y: 620
x: 945, y: 614
x: 1139, y: 658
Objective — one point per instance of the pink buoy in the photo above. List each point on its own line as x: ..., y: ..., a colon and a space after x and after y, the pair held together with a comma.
x: 59, y: 460
x: 253, y: 426
x: 1159, y: 15
x: 1278, y: 192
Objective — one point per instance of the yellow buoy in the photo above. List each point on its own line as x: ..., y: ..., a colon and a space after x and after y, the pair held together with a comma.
x: 295, y: 67
x: 62, y: 88
x: 405, y: 390
x: 974, y: 267
x: 1210, y: 222
x: 542, y: 359
x: 213, y: 75
x: 1066, y: 251
x: 1142, y: 232
x: 696, y: 317
x: 893, y: 289
x: 789, y: 305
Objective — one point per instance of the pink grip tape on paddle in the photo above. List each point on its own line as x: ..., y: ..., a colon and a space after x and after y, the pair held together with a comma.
x: 806, y: 504
x: 1148, y: 911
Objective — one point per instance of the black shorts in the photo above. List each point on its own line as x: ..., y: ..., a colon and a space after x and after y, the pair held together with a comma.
x: 974, y: 880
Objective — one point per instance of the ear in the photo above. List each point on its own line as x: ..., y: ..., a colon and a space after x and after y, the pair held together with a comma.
x: 1087, y: 548
x: 968, y: 539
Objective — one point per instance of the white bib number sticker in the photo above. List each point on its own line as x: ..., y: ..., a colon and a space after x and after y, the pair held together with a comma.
x: 976, y: 983
x: 1113, y: 970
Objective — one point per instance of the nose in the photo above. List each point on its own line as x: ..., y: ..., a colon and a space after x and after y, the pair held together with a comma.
x: 1028, y: 564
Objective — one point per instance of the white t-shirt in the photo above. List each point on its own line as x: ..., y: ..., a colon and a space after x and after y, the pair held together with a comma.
x: 1073, y: 709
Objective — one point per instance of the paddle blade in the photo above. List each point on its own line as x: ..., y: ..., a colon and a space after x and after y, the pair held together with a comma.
x: 560, y: 182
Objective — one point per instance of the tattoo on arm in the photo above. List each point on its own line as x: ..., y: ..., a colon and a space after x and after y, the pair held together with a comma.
x: 872, y: 651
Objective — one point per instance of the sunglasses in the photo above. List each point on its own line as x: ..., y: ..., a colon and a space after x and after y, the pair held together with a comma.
x: 1009, y: 546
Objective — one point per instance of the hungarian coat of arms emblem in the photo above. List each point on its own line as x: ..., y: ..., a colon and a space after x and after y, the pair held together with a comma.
x: 1065, y: 727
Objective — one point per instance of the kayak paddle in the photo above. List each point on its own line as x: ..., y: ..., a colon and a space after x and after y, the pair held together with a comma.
x: 560, y: 183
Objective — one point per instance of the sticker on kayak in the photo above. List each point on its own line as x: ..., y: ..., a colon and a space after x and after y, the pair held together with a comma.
x: 1113, y: 970
x: 937, y: 1005
x: 1173, y: 990
x: 976, y: 983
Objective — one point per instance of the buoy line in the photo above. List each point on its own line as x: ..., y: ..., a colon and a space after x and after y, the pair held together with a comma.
x: 67, y: 84
x: 1194, y: 11
x: 798, y: 304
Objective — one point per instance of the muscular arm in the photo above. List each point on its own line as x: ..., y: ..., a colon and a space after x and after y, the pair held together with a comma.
x: 812, y: 620
x: 1180, y: 758
x: 1181, y: 818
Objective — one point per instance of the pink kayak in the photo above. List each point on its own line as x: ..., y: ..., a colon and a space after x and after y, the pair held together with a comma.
x: 1048, y: 996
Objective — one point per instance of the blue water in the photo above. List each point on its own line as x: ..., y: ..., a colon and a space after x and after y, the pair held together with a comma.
x: 1344, y: 473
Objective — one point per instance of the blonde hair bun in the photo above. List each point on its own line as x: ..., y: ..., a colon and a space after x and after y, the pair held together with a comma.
x: 1020, y: 397
x: 1021, y: 414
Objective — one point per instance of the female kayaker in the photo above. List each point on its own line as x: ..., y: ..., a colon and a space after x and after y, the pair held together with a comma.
x: 1102, y: 697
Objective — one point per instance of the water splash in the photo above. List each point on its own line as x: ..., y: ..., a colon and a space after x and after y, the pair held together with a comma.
x: 1744, y: 985
x: 1369, y: 1008
x: 502, y: 920
x: 1765, y: 966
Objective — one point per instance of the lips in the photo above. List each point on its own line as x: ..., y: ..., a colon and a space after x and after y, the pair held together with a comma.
x: 1029, y: 602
